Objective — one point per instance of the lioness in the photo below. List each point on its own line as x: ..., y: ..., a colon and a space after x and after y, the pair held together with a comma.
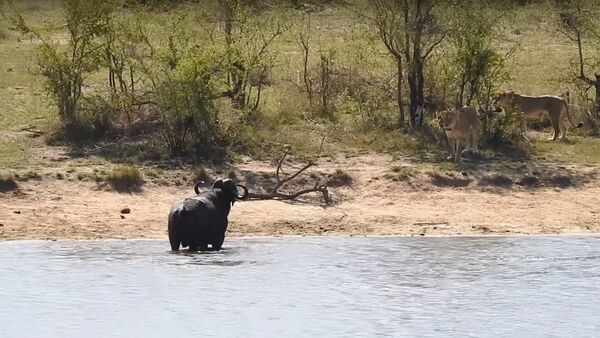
x: 535, y: 106
x: 461, y: 126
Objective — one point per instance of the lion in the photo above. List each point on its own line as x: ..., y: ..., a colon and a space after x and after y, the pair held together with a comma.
x: 461, y: 125
x: 536, y: 106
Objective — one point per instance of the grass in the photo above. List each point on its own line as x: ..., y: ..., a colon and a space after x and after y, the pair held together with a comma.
x: 582, y: 150
x: 400, y: 173
x: 284, y: 118
x: 340, y: 178
x: 125, y: 178
x: 29, y: 175
x: 232, y: 174
x: 200, y: 174
x: 13, y: 154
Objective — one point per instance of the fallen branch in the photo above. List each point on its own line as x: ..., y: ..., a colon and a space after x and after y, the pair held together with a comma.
x: 275, y: 194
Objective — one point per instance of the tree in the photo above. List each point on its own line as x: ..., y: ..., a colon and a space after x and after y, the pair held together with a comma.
x: 410, y: 31
x: 478, y: 63
x: 577, y: 23
x: 66, y: 68
x: 248, y: 39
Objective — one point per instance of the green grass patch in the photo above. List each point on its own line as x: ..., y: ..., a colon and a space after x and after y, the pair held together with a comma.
x: 577, y: 150
x: 13, y: 154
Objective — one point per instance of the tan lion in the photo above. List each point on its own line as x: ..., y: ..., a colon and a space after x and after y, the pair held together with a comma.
x: 536, y: 106
x: 462, y: 128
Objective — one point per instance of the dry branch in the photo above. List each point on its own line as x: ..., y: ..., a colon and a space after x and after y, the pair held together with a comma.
x: 275, y: 194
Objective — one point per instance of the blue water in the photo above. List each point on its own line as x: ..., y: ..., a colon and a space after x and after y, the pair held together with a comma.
x: 304, y: 287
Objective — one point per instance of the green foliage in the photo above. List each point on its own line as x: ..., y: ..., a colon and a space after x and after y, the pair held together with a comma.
x: 186, y: 101
x: 65, y: 67
x: 479, y: 65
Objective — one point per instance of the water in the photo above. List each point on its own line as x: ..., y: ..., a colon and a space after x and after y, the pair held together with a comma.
x: 304, y: 287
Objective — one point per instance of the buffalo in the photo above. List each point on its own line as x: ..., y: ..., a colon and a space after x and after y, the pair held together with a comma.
x: 198, y: 221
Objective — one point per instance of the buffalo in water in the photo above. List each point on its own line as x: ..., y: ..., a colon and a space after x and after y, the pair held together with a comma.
x: 198, y: 221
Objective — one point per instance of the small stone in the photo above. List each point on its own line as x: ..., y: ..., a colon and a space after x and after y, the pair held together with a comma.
x: 125, y: 211
x: 122, y: 217
x: 1, y: 224
x: 17, y: 212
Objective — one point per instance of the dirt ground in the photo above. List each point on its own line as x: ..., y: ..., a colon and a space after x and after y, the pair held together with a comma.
x: 375, y: 203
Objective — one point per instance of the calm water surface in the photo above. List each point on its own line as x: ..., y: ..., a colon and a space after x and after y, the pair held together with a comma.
x: 304, y: 287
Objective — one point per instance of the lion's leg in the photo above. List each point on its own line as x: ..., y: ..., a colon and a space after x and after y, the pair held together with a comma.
x: 475, y: 141
x: 563, y: 128
x: 451, y: 144
x: 468, y: 145
x: 524, y: 128
x: 555, y: 121
x: 457, y: 151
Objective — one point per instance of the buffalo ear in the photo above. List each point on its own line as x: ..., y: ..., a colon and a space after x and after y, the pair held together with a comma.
x: 218, y: 184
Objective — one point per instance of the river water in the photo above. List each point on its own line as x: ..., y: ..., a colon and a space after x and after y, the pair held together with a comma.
x: 304, y: 287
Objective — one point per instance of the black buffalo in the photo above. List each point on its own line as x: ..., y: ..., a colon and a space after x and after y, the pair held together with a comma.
x: 198, y: 221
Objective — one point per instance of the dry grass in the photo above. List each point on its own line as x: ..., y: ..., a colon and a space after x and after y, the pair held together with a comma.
x: 125, y: 178
x: 200, y: 174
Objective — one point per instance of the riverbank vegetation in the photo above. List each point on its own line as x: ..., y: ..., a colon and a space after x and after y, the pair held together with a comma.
x: 208, y: 81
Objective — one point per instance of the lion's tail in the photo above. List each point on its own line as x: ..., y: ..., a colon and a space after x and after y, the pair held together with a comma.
x: 569, y: 117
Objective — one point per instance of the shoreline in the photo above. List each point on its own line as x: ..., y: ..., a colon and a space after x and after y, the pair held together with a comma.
x: 252, y: 237
x: 372, y: 205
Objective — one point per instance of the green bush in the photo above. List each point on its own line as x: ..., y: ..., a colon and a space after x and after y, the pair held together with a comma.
x: 185, y: 98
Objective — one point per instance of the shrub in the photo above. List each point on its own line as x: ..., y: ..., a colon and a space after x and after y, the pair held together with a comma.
x: 66, y: 68
x: 231, y: 174
x: 200, y: 174
x: 124, y: 178
x: 340, y: 178
x: 186, y: 100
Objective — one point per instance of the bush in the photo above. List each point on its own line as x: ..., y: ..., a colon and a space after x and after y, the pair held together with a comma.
x: 231, y: 174
x: 66, y: 68
x: 186, y: 101
x: 340, y: 178
x: 200, y: 174
x: 125, y: 178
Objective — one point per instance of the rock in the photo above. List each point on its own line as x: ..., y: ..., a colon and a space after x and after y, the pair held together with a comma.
x: 125, y: 211
x: 17, y: 212
x: 122, y: 216
x: 1, y: 225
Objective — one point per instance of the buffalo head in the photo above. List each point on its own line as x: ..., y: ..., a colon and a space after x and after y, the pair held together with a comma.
x: 229, y: 187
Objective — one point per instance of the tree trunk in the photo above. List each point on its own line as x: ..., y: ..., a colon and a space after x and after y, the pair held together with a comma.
x: 399, y: 94
x: 579, y: 48
x: 597, y: 88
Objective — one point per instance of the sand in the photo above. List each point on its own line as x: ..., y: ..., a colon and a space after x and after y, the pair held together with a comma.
x: 52, y: 209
